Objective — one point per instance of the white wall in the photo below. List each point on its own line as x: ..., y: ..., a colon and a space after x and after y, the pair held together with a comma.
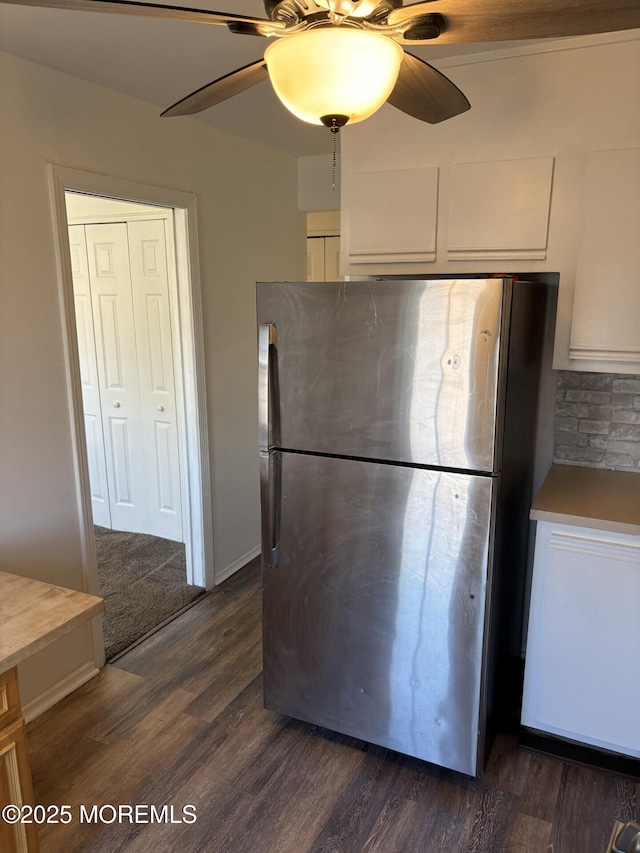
x: 561, y: 100
x: 316, y: 190
x: 249, y: 229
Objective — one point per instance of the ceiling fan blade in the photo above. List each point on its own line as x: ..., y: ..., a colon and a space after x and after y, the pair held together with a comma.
x: 220, y: 90
x: 506, y: 20
x: 245, y: 29
x: 153, y: 10
x: 426, y: 94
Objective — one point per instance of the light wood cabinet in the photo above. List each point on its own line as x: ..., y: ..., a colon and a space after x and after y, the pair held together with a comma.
x: 15, y: 771
x: 581, y: 674
x: 32, y: 615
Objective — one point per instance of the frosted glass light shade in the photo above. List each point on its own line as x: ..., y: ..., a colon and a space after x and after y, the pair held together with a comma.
x: 333, y: 71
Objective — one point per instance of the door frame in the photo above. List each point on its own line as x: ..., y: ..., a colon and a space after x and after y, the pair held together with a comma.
x: 188, y: 340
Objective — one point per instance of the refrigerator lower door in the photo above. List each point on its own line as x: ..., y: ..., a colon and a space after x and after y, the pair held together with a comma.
x: 374, y: 614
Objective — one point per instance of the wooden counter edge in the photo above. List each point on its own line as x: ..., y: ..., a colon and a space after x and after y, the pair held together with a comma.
x: 93, y: 609
x: 85, y: 607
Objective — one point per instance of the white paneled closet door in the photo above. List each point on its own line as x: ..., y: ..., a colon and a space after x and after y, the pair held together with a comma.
x: 89, y: 377
x: 152, y: 316
x: 128, y: 286
x: 110, y: 279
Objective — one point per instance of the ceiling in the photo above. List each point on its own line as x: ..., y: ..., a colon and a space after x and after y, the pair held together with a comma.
x: 161, y: 61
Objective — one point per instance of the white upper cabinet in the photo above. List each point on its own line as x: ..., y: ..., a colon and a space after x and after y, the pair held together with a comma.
x: 540, y: 177
x: 499, y: 210
x: 496, y: 211
x: 606, y: 306
x: 392, y: 216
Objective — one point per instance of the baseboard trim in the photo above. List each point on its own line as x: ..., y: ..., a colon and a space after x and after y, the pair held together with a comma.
x: 238, y: 564
x: 63, y: 688
x: 579, y: 753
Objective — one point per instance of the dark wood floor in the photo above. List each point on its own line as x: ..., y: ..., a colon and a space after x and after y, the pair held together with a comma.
x: 179, y: 721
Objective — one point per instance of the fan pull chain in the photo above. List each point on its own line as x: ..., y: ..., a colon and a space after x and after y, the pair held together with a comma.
x: 334, y: 132
x: 334, y: 123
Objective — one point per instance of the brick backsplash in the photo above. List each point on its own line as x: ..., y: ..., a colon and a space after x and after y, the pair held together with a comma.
x: 597, y: 420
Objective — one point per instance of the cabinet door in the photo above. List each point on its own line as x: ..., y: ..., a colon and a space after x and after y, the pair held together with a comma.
x: 16, y: 789
x: 584, y: 634
x: 606, y: 308
x: 500, y: 210
x: 392, y: 216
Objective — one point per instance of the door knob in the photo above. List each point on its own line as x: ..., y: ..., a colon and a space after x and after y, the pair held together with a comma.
x: 161, y: 408
x: 116, y: 404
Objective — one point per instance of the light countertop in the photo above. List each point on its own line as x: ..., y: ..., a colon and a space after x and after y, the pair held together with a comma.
x: 34, y: 614
x: 590, y: 497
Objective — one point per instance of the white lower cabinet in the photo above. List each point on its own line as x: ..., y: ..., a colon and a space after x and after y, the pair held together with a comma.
x: 582, y: 679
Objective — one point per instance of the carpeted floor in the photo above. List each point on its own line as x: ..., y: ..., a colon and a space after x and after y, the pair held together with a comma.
x: 142, y: 579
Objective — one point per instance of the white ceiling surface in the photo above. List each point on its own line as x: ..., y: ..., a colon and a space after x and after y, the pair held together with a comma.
x: 162, y: 61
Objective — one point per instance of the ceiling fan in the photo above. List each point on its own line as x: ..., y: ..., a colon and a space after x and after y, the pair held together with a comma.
x: 337, y: 61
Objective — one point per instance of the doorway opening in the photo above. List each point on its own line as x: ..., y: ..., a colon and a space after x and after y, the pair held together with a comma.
x: 128, y: 269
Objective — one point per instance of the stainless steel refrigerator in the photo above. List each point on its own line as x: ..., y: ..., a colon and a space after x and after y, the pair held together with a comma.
x: 396, y: 442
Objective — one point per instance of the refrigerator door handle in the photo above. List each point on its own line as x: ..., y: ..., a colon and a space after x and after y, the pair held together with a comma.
x: 270, y: 501
x: 267, y: 354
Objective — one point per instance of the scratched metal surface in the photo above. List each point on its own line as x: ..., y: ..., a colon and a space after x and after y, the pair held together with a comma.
x: 405, y: 371
x: 374, y: 615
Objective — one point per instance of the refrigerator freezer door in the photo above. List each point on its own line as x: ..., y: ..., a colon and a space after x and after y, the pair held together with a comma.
x: 404, y: 371
x: 373, y: 618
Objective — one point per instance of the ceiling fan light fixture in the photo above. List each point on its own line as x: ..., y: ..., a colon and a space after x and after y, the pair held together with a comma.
x: 333, y: 71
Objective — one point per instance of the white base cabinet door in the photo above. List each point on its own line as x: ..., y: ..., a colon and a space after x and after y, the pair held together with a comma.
x: 583, y: 646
